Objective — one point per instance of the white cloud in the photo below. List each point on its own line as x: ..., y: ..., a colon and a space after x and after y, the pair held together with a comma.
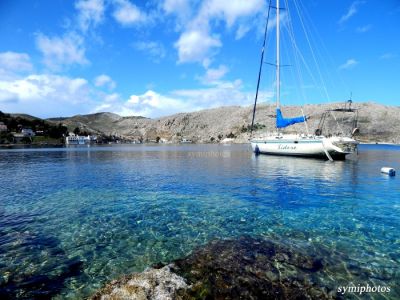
x: 198, y: 42
x: 104, y: 80
x: 224, y: 93
x: 127, y: 13
x: 196, y: 46
x: 41, y: 86
x: 7, y: 97
x: 181, y: 8
x: 349, y: 64
x: 47, y: 95
x: 90, y: 13
x: 363, y: 29
x: 15, y: 62
x: 231, y: 10
x: 242, y: 31
x: 61, y: 51
x: 153, y: 104
x: 149, y: 104
x: 155, y: 50
x: 110, y: 103
x: 153, y: 100
x: 213, y: 76
x: 112, y: 98
x: 353, y: 9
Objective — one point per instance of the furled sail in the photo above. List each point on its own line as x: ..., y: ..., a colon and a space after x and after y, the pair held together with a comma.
x: 282, y: 122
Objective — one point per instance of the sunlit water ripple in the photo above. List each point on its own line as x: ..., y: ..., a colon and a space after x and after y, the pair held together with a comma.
x: 72, y: 219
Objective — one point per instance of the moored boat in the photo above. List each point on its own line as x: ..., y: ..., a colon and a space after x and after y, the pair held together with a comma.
x: 302, y: 144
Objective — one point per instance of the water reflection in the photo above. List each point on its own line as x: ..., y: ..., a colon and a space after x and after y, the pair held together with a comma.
x: 298, y: 168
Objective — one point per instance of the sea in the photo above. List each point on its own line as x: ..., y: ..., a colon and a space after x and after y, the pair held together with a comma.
x: 73, y: 219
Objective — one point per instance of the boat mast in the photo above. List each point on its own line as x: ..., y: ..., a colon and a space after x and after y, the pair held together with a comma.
x: 278, y: 79
x: 260, y: 70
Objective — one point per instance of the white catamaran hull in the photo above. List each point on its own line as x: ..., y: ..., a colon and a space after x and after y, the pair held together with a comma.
x: 315, y: 146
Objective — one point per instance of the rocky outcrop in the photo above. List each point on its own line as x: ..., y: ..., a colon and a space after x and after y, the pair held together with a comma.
x: 376, y: 123
x: 257, y: 268
x: 245, y: 268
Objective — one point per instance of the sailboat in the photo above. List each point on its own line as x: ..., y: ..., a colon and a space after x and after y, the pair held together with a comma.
x: 302, y: 144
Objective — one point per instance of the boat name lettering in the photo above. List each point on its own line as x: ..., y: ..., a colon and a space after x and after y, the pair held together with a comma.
x: 287, y: 147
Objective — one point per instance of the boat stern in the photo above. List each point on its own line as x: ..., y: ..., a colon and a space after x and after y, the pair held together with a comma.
x: 346, y: 145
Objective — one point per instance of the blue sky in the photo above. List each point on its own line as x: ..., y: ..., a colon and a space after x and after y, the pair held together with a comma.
x: 155, y: 58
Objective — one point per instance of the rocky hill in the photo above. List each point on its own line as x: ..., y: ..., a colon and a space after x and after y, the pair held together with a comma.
x: 376, y: 123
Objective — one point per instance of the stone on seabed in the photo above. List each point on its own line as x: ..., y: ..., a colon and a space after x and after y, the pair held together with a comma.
x: 157, y: 284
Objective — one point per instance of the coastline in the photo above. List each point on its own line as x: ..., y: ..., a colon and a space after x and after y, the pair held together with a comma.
x: 22, y: 146
x: 231, y: 142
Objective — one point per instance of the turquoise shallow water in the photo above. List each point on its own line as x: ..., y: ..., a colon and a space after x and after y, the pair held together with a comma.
x: 72, y: 219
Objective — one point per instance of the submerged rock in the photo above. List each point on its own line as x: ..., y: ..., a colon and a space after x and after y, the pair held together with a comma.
x: 157, y: 284
x: 250, y: 268
x: 246, y: 268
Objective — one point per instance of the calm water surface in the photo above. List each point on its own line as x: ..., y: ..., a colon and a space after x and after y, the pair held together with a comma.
x: 72, y: 219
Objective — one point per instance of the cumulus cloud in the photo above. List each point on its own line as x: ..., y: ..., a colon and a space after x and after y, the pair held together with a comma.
x: 63, y: 51
x: 104, y: 81
x: 127, y: 13
x: 153, y: 104
x: 197, y: 42
x: 349, y: 64
x: 110, y: 103
x: 149, y: 104
x: 90, y: 13
x: 231, y: 10
x: 196, y: 45
x: 213, y: 76
x: 47, y: 95
x: 224, y: 93
x: 181, y: 8
x: 13, y: 61
x: 353, y: 9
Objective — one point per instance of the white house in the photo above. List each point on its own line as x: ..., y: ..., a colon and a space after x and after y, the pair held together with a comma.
x: 73, y: 139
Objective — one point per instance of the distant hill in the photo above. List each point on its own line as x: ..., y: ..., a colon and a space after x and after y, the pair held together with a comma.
x: 376, y: 122
x: 99, y: 123
x: 25, y: 116
x: 41, y: 131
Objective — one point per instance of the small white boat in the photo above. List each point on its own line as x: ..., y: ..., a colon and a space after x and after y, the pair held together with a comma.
x: 303, y: 144
x: 186, y: 141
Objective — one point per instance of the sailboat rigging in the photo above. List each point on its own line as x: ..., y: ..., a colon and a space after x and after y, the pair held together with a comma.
x: 305, y: 145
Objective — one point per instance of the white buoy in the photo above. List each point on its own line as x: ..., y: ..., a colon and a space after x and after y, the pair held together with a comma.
x: 388, y: 171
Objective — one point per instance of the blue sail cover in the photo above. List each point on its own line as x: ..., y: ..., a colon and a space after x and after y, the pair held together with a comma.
x: 282, y: 122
